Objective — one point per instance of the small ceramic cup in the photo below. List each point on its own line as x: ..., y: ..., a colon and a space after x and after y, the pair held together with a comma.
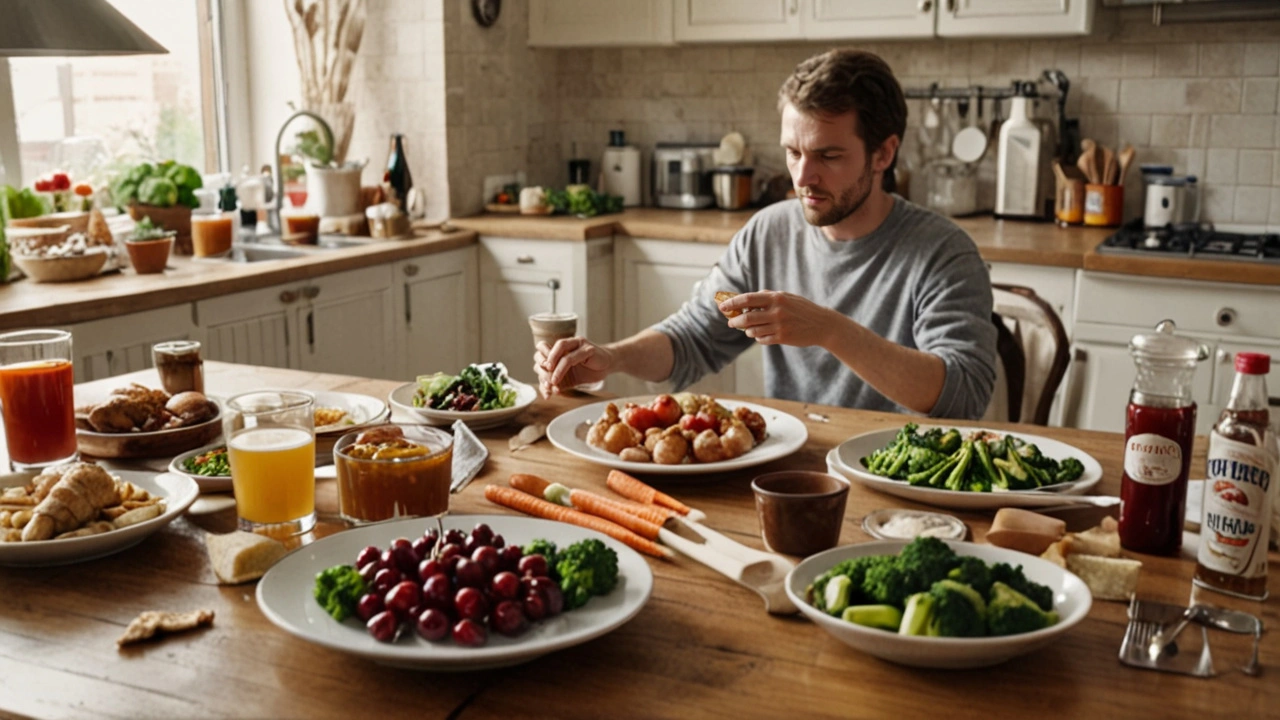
x: 801, y: 512
x: 150, y: 256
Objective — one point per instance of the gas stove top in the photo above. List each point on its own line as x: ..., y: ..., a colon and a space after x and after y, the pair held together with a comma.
x: 1201, y: 242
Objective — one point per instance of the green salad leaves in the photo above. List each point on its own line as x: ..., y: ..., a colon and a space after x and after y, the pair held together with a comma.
x: 477, y: 387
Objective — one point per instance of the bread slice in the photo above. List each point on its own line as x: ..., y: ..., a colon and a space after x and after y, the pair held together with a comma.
x: 1107, y: 578
x: 1025, y: 531
x: 242, y: 556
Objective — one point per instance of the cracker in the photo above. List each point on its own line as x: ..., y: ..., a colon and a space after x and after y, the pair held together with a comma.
x: 152, y: 623
x: 137, y: 515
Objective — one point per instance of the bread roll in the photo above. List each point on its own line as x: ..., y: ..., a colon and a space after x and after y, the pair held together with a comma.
x: 1025, y: 531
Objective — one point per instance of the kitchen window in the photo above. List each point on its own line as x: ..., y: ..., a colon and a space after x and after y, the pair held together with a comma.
x: 92, y: 116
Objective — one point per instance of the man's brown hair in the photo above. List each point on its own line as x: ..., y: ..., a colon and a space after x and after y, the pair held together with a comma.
x: 839, y: 81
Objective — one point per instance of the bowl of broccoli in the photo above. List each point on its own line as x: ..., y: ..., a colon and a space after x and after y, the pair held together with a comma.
x: 938, y: 604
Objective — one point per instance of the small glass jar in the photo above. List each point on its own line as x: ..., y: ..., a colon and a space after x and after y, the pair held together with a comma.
x: 180, y: 366
x: 398, y: 471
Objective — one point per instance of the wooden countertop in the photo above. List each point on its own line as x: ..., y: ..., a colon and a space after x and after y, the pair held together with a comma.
x: 701, y: 647
x: 28, y: 304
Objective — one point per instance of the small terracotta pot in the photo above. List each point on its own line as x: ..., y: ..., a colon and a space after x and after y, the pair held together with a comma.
x: 176, y: 218
x: 149, y: 256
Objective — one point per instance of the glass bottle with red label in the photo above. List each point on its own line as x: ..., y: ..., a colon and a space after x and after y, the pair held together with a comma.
x: 1160, y: 425
x: 1233, y: 534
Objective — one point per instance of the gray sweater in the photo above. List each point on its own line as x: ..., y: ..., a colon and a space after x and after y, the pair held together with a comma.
x: 916, y: 280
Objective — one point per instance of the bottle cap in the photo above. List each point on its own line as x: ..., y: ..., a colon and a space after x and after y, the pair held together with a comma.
x: 227, y: 198
x: 1251, y: 363
x: 617, y: 138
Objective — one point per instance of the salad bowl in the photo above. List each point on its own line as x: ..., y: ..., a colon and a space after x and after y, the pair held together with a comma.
x: 523, y: 395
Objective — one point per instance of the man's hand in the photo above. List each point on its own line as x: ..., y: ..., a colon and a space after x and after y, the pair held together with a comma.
x: 779, y: 318
x: 569, y: 363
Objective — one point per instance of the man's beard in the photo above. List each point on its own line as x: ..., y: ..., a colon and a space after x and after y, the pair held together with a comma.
x: 849, y: 202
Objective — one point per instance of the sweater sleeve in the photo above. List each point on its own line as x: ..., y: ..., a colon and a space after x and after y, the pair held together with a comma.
x: 700, y: 335
x: 953, y: 321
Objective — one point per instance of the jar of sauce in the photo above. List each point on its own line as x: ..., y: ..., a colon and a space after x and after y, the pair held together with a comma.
x: 393, y: 471
x: 1160, y: 425
x: 179, y: 365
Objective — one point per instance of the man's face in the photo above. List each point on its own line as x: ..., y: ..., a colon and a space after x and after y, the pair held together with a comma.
x: 829, y: 164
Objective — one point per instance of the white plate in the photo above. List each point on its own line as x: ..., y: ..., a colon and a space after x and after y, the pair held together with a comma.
x: 178, y: 493
x: 284, y: 595
x: 1071, y: 600
x: 402, y: 399
x: 846, y: 461
x: 362, y: 410
x: 206, y: 483
x: 785, y: 434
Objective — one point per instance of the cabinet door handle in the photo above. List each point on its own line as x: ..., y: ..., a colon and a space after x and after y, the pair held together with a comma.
x: 408, y: 307
x: 288, y: 296
x: 951, y: 6
x: 411, y: 270
x: 525, y: 259
x: 924, y: 7
x: 1224, y: 357
x: 1080, y: 356
x: 111, y: 362
x: 311, y: 292
x: 1225, y: 317
x: 311, y: 332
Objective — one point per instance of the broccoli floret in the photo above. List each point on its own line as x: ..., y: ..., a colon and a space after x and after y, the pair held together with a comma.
x: 586, y: 568
x: 1010, y: 612
x: 920, y: 459
x: 917, y: 615
x: 928, y: 558
x: 949, y: 442
x: 545, y: 548
x: 338, y: 589
x: 854, y: 569
x: 888, y: 584
x: 1014, y: 578
x: 885, y: 617
x: 958, y: 611
x: 1068, y: 470
x: 973, y: 572
x: 956, y: 479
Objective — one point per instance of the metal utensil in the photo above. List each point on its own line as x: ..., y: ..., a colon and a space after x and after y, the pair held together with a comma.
x: 1235, y: 621
x: 1161, y: 644
x: 1146, y: 620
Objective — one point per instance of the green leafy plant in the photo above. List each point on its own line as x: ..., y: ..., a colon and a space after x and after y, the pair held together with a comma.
x: 162, y: 184
x: 147, y: 230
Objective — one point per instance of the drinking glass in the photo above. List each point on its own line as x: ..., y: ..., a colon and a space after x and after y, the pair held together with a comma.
x: 179, y: 365
x: 553, y: 326
x: 271, y: 446
x: 36, y: 396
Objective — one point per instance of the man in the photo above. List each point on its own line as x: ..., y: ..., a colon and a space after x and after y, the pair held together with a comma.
x: 860, y: 298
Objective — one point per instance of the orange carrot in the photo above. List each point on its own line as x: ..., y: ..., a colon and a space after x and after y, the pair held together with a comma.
x: 652, y: 514
x: 627, y: 486
x: 603, y: 507
x: 531, y: 484
x: 537, y: 507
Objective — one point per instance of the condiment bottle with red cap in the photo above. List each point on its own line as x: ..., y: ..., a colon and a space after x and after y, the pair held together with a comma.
x: 1233, y: 534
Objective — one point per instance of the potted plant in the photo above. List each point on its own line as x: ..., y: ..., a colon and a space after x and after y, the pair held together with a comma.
x: 149, y: 246
x: 164, y: 193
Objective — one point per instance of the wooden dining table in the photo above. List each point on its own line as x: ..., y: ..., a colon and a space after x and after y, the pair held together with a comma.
x: 702, y: 646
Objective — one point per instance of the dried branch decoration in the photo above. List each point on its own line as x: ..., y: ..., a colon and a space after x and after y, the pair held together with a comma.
x: 326, y: 38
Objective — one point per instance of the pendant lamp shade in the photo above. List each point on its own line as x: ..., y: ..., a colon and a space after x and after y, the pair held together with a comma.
x: 70, y: 28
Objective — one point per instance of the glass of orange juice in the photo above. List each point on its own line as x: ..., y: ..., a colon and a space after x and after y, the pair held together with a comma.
x: 271, y: 445
x: 36, y: 398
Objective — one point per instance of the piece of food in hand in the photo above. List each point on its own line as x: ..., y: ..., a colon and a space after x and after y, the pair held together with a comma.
x: 152, y: 623
x: 73, y: 500
x: 1025, y: 531
x: 725, y: 295
x: 1107, y: 578
x: 191, y: 407
x: 242, y: 556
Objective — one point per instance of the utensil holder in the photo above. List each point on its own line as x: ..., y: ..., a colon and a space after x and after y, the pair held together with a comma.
x: 1103, y: 205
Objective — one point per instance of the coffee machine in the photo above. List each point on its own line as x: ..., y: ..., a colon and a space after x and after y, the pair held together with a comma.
x: 682, y: 175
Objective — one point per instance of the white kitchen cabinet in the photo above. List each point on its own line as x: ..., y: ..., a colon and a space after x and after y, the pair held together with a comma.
x: 737, y: 20
x: 600, y: 23
x: 122, y: 344
x: 995, y: 18
x: 348, y: 325
x: 1226, y: 318
x: 521, y: 277
x: 254, y: 327
x: 653, y: 278
x: 1056, y: 285
x: 850, y: 19
x: 437, y: 307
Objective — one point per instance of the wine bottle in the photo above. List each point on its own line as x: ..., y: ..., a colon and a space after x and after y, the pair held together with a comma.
x: 397, y: 175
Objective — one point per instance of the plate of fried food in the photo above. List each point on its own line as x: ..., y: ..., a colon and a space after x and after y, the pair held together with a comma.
x: 78, y: 511
x: 680, y: 434
x: 340, y: 412
x: 138, y: 422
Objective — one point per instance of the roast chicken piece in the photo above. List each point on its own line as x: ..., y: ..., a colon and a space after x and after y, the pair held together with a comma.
x: 127, y: 408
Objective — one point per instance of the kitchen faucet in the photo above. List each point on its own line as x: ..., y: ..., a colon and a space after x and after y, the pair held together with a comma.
x: 273, y: 212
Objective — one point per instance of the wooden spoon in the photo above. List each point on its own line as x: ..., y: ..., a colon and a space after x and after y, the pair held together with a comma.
x: 1126, y: 159
x: 1086, y: 161
x: 1108, y: 160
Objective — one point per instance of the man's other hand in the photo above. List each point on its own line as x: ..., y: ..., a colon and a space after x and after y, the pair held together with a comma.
x: 569, y: 363
x: 780, y: 318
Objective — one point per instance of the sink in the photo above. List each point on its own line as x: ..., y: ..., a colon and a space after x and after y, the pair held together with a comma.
x: 258, y: 253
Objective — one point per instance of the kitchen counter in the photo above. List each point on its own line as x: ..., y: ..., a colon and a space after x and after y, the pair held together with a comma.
x: 1008, y: 241
x: 28, y: 304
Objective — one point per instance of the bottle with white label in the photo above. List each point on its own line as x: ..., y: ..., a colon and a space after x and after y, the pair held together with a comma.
x: 1160, y: 425
x: 1233, y: 534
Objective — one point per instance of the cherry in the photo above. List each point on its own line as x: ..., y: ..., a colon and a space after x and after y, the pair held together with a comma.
x: 498, y: 542
x: 471, y: 604
x: 470, y: 633
x: 368, y: 555
x: 555, y: 599
x: 422, y: 548
x: 429, y: 567
x: 402, y: 598
x: 449, y: 550
x: 510, y: 557
x: 470, y: 573
x: 533, y: 565
x: 450, y: 566
x: 383, y: 627
x: 432, y: 624
x: 385, y: 579
x: 404, y: 558
x: 488, y: 559
x: 370, y: 571
x: 370, y: 604
x: 482, y: 534
x: 505, y: 585
x: 455, y: 536
x: 508, y: 618
x: 437, y: 592
x: 535, y: 606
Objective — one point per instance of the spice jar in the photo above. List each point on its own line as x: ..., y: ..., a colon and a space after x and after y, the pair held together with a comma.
x: 1160, y: 425
x: 180, y: 366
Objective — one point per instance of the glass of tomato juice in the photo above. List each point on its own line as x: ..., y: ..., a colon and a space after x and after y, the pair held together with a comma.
x: 36, y: 398
x: 271, y: 447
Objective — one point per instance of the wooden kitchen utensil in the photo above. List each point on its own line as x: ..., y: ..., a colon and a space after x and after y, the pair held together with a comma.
x: 763, y: 572
x: 1086, y: 161
x: 1110, y: 171
x: 1126, y: 159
